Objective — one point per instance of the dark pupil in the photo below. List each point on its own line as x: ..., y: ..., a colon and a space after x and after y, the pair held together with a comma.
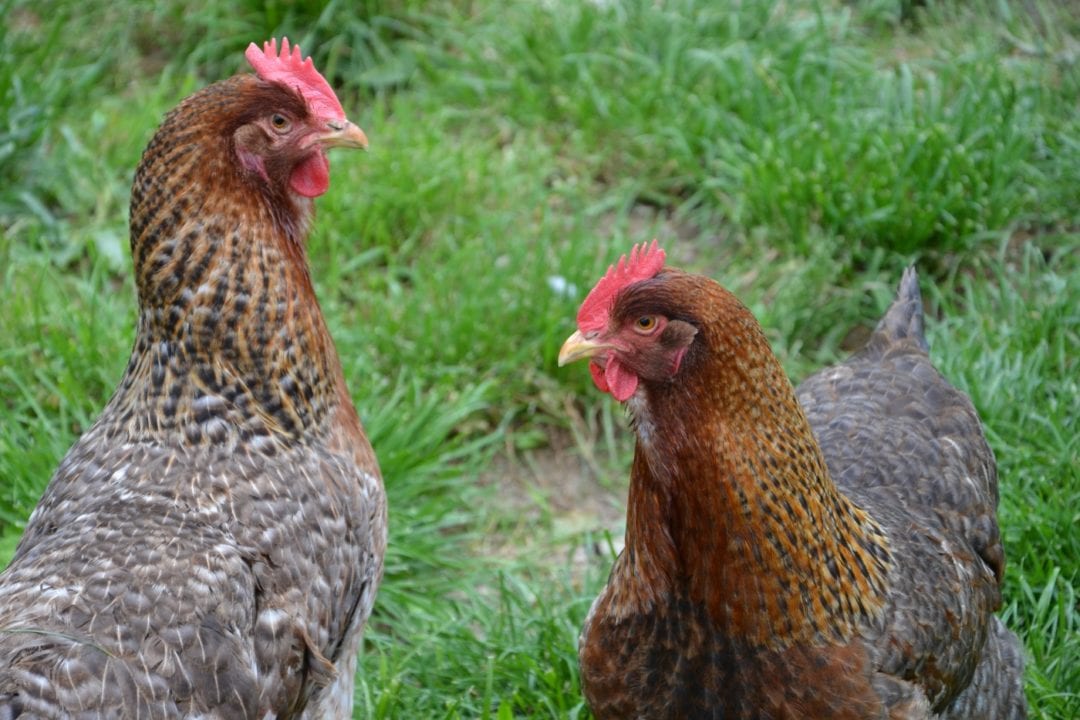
x: 279, y: 120
x: 645, y: 322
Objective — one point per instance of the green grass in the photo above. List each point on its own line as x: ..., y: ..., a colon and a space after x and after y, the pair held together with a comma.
x: 802, y: 153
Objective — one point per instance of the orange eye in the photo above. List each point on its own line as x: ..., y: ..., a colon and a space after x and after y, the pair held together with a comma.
x: 645, y: 324
x: 280, y: 122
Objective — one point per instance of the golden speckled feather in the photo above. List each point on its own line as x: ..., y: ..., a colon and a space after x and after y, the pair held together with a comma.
x: 212, y: 545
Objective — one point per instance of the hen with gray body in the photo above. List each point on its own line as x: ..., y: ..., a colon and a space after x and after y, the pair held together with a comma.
x: 902, y: 442
x: 211, y: 547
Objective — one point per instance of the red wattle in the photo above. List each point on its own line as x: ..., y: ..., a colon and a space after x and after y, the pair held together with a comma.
x: 597, y: 373
x: 311, y: 178
x: 622, y: 382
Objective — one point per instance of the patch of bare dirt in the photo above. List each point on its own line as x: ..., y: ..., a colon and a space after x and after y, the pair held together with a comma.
x: 563, y: 510
x: 558, y: 479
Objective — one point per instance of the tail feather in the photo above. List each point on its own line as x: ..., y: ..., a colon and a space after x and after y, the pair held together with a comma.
x: 904, y: 318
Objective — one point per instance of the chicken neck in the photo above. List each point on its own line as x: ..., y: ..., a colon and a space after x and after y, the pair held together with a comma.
x: 731, y: 504
x: 231, y: 345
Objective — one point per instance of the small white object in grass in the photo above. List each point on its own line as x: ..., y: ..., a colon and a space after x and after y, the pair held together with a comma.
x: 561, y: 286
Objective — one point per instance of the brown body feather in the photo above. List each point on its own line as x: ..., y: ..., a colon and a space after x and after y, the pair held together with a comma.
x: 212, y: 545
x: 831, y: 553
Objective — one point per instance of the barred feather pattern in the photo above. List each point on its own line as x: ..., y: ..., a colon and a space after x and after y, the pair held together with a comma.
x: 212, y: 545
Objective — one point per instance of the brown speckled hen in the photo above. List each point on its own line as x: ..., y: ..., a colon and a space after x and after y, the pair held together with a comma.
x: 826, y: 553
x: 212, y: 545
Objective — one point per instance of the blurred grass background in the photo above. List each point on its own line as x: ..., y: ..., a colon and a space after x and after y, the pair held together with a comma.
x: 800, y: 152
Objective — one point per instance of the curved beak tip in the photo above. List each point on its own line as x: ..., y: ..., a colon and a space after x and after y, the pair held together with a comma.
x: 347, y: 136
x: 576, y: 347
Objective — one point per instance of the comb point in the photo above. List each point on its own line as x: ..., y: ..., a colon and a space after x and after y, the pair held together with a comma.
x: 645, y: 261
x: 289, y: 67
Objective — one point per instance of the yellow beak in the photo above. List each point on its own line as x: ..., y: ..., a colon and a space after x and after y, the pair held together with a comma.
x: 344, y: 135
x: 577, y: 347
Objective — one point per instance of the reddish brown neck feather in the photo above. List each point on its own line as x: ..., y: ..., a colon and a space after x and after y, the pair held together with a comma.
x: 730, y: 500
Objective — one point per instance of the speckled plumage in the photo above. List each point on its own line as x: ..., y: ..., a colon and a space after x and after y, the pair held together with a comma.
x: 211, y: 547
x: 827, y: 554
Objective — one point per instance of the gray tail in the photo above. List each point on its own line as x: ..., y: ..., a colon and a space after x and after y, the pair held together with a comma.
x: 904, y: 318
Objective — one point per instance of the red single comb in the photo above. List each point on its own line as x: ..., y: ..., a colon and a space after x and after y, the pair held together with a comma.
x: 645, y: 262
x: 289, y: 68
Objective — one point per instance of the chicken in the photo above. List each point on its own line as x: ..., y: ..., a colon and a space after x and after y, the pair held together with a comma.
x: 212, y: 545
x: 827, y: 554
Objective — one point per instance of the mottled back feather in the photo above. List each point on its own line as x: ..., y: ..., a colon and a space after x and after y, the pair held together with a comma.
x: 211, y: 547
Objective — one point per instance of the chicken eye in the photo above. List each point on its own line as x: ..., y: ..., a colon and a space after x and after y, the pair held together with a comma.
x: 280, y: 122
x: 645, y: 324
